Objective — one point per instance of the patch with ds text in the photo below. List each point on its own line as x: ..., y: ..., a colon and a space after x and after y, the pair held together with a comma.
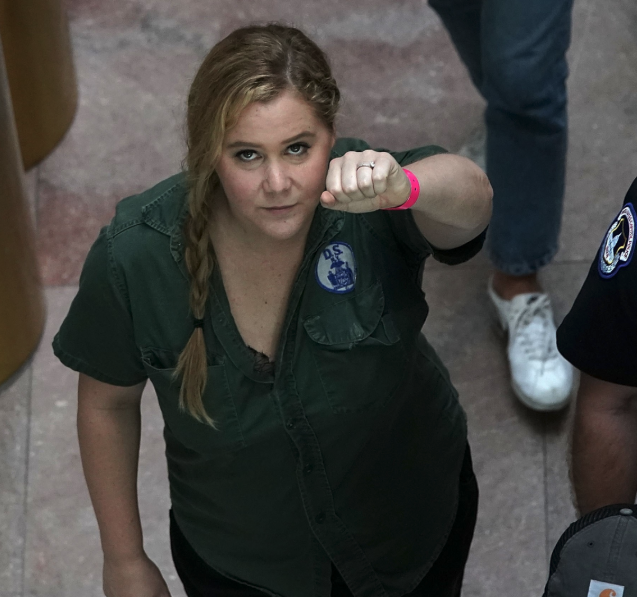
x: 336, y: 269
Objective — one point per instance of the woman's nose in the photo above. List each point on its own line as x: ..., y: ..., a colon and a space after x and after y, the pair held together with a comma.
x: 277, y: 179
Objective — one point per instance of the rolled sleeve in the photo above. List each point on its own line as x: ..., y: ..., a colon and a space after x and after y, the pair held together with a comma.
x: 411, y: 238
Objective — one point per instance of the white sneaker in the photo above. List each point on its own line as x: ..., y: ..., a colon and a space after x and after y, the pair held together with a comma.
x: 541, y: 378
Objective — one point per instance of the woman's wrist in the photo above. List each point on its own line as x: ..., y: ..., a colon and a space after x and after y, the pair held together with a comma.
x: 120, y: 557
x: 457, y: 194
x: 413, y: 192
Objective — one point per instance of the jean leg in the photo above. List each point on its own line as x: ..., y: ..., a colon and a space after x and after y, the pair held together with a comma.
x: 524, y: 73
x: 462, y: 19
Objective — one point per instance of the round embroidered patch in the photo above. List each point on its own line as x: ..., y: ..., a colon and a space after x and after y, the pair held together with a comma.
x: 618, y: 244
x: 336, y: 269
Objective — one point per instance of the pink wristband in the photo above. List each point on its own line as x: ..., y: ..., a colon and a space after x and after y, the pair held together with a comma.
x: 414, y: 192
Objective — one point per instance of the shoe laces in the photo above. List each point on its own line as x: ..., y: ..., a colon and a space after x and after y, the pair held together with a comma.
x: 534, y: 328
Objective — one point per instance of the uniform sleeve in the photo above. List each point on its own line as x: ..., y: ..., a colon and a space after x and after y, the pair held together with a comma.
x: 598, y: 335
x: 96, y: 337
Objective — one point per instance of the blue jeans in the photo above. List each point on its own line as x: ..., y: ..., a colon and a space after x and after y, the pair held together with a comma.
x: 515, y: 53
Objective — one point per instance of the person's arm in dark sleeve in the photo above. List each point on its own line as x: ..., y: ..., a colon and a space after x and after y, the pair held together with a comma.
x: 454, y: 205
x: 97, y: 339
x: 603, y: 459
x: 598, y: 336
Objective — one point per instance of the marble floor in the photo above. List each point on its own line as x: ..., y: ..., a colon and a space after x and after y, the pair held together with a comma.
x: 403, y: 86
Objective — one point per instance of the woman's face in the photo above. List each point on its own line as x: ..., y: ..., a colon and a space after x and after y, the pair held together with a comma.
x: 273, y: 167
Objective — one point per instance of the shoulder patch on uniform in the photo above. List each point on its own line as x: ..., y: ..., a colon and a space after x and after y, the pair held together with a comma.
x: 618, y: 245
x: 336, y: 269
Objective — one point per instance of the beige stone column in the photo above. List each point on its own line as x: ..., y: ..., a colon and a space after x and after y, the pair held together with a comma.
x: 39, y: 65
x: 22, y: 307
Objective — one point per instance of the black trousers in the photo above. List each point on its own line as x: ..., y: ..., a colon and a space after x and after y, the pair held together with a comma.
x: 445, y: 578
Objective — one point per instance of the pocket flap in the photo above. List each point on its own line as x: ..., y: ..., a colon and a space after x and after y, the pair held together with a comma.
x: 348, y: 321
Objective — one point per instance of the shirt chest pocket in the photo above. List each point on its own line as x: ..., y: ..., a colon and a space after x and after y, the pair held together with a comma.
x: 217, y: 399
x: 357, y: 351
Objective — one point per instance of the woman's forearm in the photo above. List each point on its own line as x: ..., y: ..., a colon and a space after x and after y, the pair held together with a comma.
x: 109, y: 446
x: 455, y: 200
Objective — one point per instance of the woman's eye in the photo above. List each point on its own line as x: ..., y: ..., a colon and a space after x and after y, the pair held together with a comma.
x: 246, y: 155
x: 298, y: 149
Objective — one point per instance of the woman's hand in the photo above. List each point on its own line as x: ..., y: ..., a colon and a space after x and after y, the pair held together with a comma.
x: 354, y: 188
x: 139, y: 577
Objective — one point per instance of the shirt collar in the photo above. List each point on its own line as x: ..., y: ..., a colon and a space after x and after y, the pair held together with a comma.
x: 167, y: 211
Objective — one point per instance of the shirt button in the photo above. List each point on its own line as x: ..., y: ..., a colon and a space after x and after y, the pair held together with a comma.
x: 320, y: 518
x: 290, y: 424
x: 307, y: 469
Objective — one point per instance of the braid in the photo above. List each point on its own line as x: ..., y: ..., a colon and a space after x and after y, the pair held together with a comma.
x: 192, y: 364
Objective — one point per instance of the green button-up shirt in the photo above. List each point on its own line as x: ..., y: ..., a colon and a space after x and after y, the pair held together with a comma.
x: 349, y: 451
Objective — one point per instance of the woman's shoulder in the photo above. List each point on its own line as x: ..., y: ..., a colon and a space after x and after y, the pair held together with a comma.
x: 146, y: 229
x: 160, y: 207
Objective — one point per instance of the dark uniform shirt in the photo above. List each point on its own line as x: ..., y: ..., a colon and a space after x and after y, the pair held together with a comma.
x: 598, y: 336
x: 348, y: 451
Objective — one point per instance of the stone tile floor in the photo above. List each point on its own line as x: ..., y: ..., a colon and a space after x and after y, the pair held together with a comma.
x: 403, y: 86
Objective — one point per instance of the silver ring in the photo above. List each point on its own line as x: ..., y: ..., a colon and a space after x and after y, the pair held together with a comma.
x: 366, y: 164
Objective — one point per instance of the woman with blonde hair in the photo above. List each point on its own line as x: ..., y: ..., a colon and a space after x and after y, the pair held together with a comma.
x: 272, y: 294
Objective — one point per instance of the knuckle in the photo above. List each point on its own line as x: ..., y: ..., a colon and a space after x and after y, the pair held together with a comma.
x: 378, y: 177
x: 350, y: 189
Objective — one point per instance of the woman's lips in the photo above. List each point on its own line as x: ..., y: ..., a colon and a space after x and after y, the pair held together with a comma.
x: 280, y: 209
